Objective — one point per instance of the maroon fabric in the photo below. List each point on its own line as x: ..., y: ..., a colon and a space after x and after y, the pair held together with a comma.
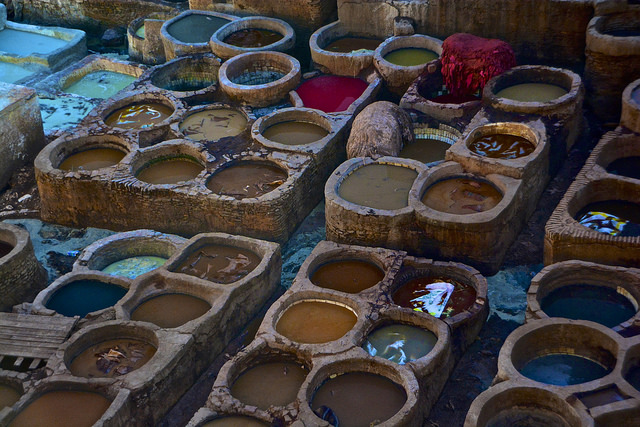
x: 469, y: 62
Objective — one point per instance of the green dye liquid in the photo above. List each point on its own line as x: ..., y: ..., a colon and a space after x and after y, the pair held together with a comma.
x: 140, y: 31
x: 532, y: 92
x: 11, y: 73
x: 410, y: 56
x: 134, y: 266
x: 100, y: 84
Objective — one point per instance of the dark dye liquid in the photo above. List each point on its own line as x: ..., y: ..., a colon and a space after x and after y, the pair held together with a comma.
x: 188, y: 85
x: 613, y: 217
x: 563, y: 369
x: 112, y: 358
x: 351, y: 276
x: 85, y: 296
x: 247, y: 180
x: 600, y: 304
x: 350, y: 44
x: 626, y: 166
x: 331, y: 93
x: 635, y: 95
x: 425, y: 150
x: 462, y: 196
x: 623, y: 33
x: 219, y: 263
x: 633, y: 376
x: 502, y: 146
x: 462, y: 298
x: 196, y: 28
x: 253, y: 37
x: 526, y: 417
x: 269, y: 384
x: 170, y: 310
x: 5, y: 248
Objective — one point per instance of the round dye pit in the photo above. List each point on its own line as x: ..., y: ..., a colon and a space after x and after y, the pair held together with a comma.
x: 623, y: 32
x: 82, y: 297
x: 170, y: 171
x: 269, y: 384
x: 140, y: 31
x: 352, y: 44
x: 112, y: 358
x: 219, y: 263
x: 235, y: 421
x: 626, y: 166
x: 612, y: 217
x: 526, y: 417
x: 139, y: 115
x: 247, y: 179
x: 315, y: 322
x: 63, y: 409
x: 188, y: 84
x: 358, y: 399
x: 101, y: 84
x: 195, y: 28
x: 351, y: 276
x: 532, y: 92
x: 502, y: 146
x: 295, y: 133
x: 331, y: 94
x: 461, y: 196
x: 633, y: 375
x: 563, y: 369
x: 8, y: 396
x: 425, y: 150
x: 170, y: 310
x: 600, y: 304
x: 213, y: 124
x: 5, y: 248
x: 134, y: 266
x: 93, y: 159
x: 400, y: 343
x: 253, y: 37
x: 378, y: 186
x: 432, y: 295
x: 257, y: 77
x: 410, y: 56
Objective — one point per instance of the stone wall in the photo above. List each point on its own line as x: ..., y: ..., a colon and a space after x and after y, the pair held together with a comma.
x: 549, y: 31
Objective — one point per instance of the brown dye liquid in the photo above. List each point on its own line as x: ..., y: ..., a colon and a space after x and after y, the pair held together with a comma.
x: 269, y: 384
x: 211, y: 125
x: 89, y: 160
x: 315, y: 322
x: 5, y: 248
x: 462, y: 298
x: 235, y: 421
x: 170, y: 310
x: 461, y: 196
x: 139, y: 115
x: 378, y: 186
x: 532, y: 92
x: 425, y: 150
x: 359, y: 399
x: 502, y: 146
x: 253, y: 37
x: 8, y: 396
x: 294, y: 133
x: 170, y: 171
x: 351, y: 276
x: 247, y: 180
x: 219, y: 263
x: 112, y: 358
x: 63, y: 409
x: 349, y: 44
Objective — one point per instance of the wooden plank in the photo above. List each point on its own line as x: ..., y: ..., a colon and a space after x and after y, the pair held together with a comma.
x: 36, y: 318
x: 34, y: 363
x: 18, y: 362
x: 20, y: 351
x: 21, y: 324
x: 6, y: 334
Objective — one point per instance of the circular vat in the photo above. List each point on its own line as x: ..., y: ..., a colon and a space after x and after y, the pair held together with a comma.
x: 110, y: 351
x: 8, y: 242
x: 10, y: 392
x: 631, y: 366
x: 79, y: 294
x: 170, y: 162
x: 292, y: 128
x: 506, y: 141
x: 346, y: 273
x: 88, y: 153
x: 62, y: 405
x: 100, y: 80
x: 400, y: 60
x: 358, y: 392
x: 315, y: 320
x: 194, y: 27
x: 252, y: 34
x: 259, y: 79
x: 129, y: 254
x: 464, y: 194
x: 621, y: 156
x: 378, y: 185
x: 247, y: 179
x: 331, y: 93
x: 559, y: 352
x: 509, y: 405
x: 265, y: 378
x: 139, y: 112
x: 533, y: 89
x: 631, y: 106
x: 213, y: 122
x: 431, y: 143
x: 195, y: 73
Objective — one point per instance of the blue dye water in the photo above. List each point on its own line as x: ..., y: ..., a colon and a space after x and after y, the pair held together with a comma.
x: 588, y: 302
x: 563, y: 369
x: 85, y: 296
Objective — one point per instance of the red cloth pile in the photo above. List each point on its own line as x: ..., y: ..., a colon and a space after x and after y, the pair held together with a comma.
x: 468, y: 62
